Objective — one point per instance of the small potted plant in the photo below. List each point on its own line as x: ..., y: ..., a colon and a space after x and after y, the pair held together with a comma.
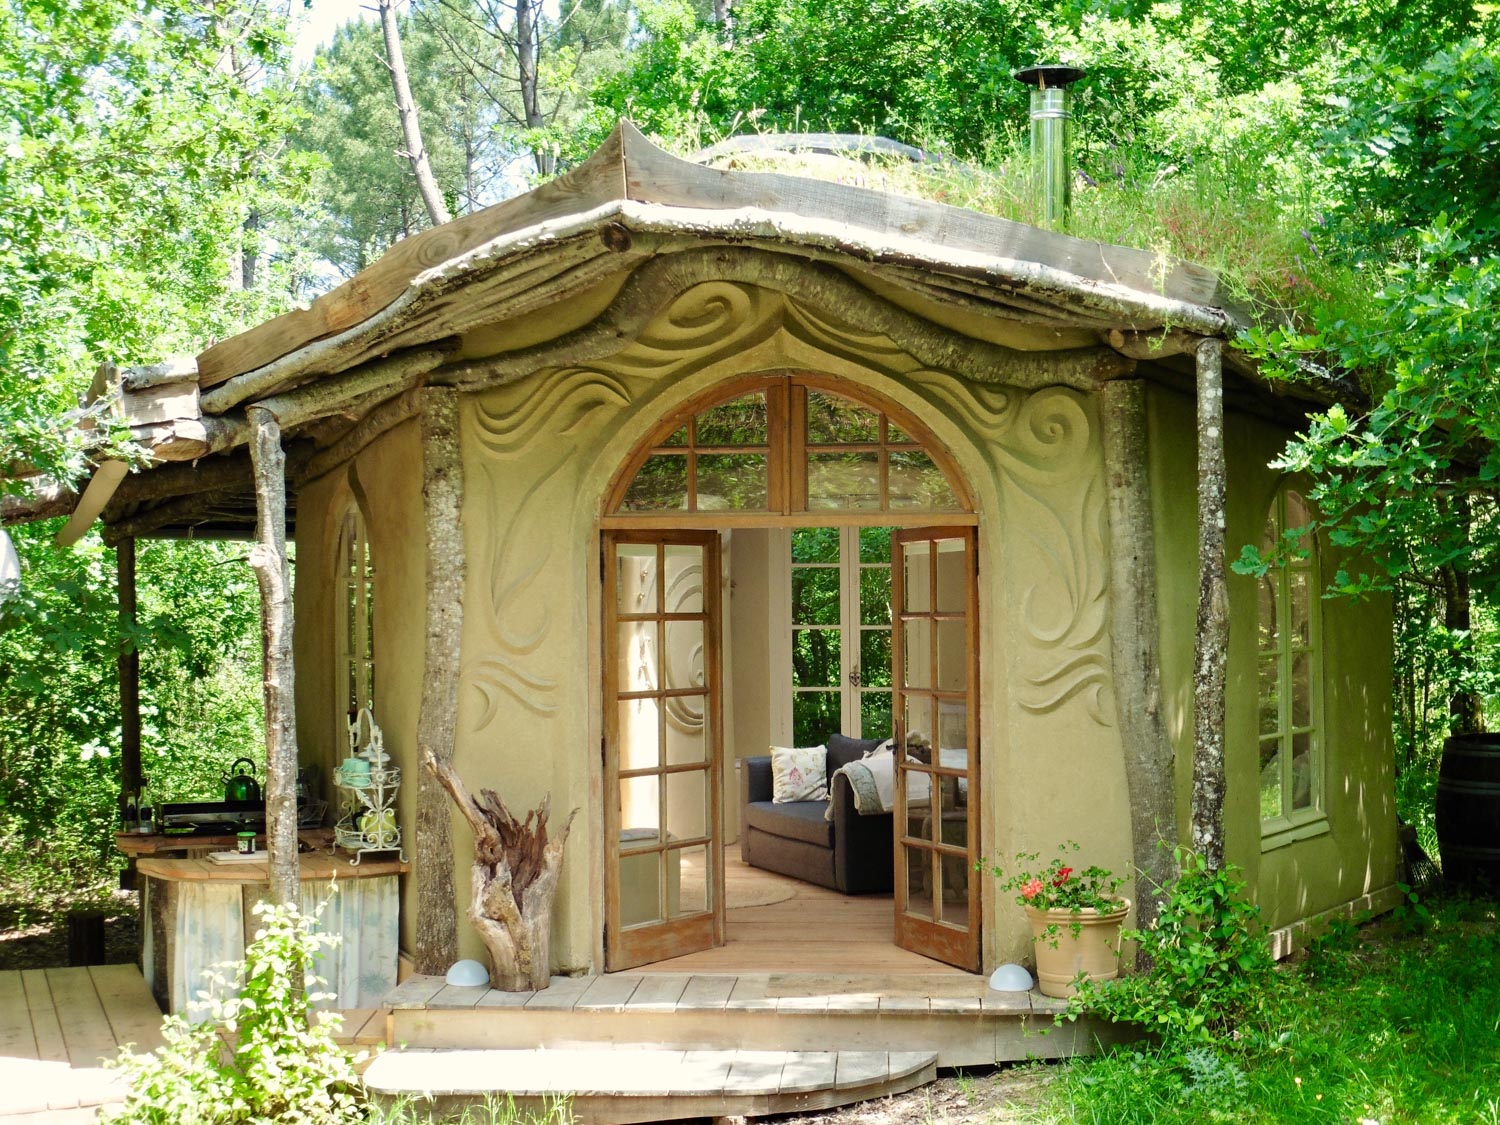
x: 1075, y: 917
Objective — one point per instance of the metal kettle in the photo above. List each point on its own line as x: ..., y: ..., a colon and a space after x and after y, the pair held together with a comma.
x: 241, y: 786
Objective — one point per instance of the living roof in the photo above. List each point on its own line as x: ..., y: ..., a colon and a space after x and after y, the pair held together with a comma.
x: 323, y: 368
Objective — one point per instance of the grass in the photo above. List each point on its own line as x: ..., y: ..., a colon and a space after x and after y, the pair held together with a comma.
x: 1399, y: 1022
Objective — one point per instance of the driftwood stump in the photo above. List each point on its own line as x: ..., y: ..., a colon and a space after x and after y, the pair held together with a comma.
x: 516, y: 867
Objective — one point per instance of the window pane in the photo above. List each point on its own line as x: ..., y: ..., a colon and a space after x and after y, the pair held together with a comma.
x: 915, y: 482
x: 952, y: 655
x: 815, y: 658
x: 953, y: 576
x: 1298, y: 514
x: 1265, y: 614
x: 640, y: 885
x: 815, y: 545
x: 1299, y: 594
x: 640, y: 744
x: 895, y: 435
x: 916, y: 592
x: 815, y: 595
x: 1302, y: 690
x: 875, y: 657
x: 815, y: 716
x: 636, y: 648
x: 732, y: 482
x: 687, y: 805
x: 834, y: 420
x: 639, y: 813
x: 916, y: 654
x: 683, y: 564
x: 850, y: 481
x: 1302, y: 771
x: 686, y: 729
x: 875, y: 545
x: 688, y: 868
x: 677, y: 437
x: 740, y: 421
x: 1270, y: 779
x: 1270, y: 695
x: 875, y: 714
x: 683, y: 647
x: 919, y: 727
x: 635, y: 578
x: 875, y: 595
x: 918, y: 879
x: 661, y: 485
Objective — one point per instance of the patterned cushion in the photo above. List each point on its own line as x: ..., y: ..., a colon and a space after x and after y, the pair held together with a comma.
x: 799, y: 774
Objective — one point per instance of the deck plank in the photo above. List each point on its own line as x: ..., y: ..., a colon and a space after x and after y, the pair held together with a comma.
x: 458, y: 996
x: 80, y: 1012
x: 609, y: 993
x: 809, y: 1070
x: 861, y: 1068
x: 750, y: 994
x: 414, y: 992
x: 755, y: 1072
x: 658, y: 994
x: 132, y: 1014
x: 563, y: 993
x: 50, y: 1046
x: 17, y: 1039
x: 706, y: 993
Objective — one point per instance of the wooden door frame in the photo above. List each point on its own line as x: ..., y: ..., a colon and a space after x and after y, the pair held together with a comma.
x: 669, y: 938
x: 929, y: 937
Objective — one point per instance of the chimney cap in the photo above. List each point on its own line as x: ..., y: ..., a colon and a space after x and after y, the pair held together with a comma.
x: 1049, y: 76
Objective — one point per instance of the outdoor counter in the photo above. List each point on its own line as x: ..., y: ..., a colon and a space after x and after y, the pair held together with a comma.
x: 196, y: 914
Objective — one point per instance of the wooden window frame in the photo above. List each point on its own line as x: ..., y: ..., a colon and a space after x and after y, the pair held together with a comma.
x: 787, y: 454
x: 1293, y: 824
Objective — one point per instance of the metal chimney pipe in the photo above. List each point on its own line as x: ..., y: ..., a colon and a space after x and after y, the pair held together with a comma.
x: 1051, y: 136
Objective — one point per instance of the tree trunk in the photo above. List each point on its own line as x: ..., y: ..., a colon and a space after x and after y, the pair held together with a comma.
x: 442, y: 501
x: 129, y: 665
x: 1137, y: 671
x: 406, y: 109
x: 1211, y: 647
x: 516, y: 868
x: 269, y: 561
x: 527, y: 49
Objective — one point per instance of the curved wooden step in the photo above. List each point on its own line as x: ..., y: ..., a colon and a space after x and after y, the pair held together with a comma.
x: 614, y: 1087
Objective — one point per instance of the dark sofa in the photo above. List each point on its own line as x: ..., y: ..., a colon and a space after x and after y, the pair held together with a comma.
x: 851, y: 854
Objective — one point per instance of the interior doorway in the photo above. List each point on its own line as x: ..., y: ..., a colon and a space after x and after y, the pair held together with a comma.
x: 786, y: 563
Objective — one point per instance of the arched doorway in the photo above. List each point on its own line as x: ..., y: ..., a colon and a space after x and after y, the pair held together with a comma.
x: 793, y: 452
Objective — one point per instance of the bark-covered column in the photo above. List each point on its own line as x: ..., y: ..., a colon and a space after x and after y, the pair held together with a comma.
x: 437, y: 723
x: 1137, y: 669
x: 273, y: 572
x: 1211, y: 650
x: 129, y: 665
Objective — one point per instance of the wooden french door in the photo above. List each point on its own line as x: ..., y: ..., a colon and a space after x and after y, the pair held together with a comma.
x: 664, y: 876
x: 934, y: 649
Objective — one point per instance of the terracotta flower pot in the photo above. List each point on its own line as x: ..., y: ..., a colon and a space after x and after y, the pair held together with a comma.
x: 1085, y: 941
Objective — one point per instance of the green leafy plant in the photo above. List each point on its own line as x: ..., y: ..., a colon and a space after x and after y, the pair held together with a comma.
x: 280, y: 1065
x: 1057, y: 885
x: 1210, y: 967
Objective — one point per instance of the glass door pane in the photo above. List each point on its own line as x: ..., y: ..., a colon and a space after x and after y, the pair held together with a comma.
x: 935, y: 698
x: 662, y: 737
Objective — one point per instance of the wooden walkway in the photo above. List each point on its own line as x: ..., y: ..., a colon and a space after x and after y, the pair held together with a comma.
x: 58, y: 1026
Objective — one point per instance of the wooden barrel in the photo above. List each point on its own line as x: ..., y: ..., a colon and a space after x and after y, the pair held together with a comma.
x: 1468, y: 809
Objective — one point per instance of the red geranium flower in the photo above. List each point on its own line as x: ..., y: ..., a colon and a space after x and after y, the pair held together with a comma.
x: 1062, y: 876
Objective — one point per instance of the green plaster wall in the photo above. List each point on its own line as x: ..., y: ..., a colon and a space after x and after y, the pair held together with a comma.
x: 1358, y: 853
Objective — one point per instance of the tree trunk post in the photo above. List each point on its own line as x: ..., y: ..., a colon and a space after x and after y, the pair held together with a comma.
x: 1211, y: 647
x: 406, y: 110
x: 129, y: 666
x: 273, y: 573
x: 1137, y: 670
x: 442, y: 503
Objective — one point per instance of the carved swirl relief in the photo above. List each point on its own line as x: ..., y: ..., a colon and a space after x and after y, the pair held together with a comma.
x: 1044, y: 448
x: 537, y: 437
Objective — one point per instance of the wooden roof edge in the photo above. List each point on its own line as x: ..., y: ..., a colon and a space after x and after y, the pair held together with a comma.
x: 628, y: 166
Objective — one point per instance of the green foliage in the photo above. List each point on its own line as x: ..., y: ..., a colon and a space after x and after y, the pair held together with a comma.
x: 133, y: 137
x: 198, y: 639
x: 283, y: 1065
x: 1210, y: 970
x: 1390, y: 1023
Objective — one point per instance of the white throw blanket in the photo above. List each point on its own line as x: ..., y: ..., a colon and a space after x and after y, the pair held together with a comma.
x: 872, y: 780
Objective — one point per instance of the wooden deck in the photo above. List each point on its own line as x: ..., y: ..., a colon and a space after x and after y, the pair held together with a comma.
x: 796, y: 931
x: 58, y: 1026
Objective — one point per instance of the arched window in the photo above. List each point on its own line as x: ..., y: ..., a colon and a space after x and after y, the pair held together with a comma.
x: 357, y: 611
x: 1290, y: 675
x: 789, y: 445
